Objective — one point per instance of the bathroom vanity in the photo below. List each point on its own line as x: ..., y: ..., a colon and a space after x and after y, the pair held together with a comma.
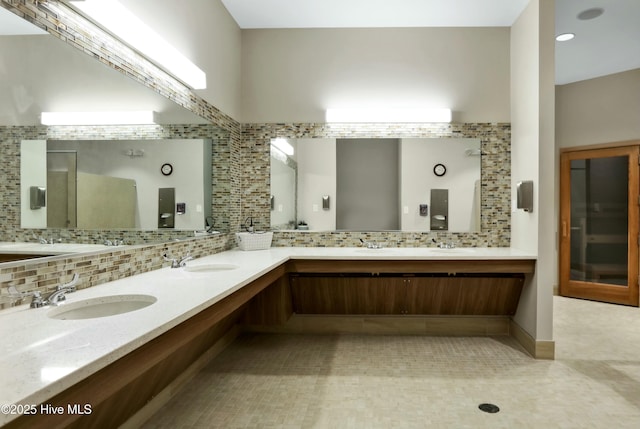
x: 117, y: 364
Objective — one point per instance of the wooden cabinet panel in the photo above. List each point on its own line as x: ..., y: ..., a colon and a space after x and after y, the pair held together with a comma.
x: 435, y: 295
x: 272, y: 306
x: 463, y: 295
x: 347, y: 295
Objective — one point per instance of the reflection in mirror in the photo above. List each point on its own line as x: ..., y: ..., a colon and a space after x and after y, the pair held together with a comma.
x: 284, y: 170
x: 42, y: 73
x: 300, y: 181
x: 115, y: 184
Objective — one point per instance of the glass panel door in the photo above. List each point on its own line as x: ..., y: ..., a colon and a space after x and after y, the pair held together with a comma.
x: 599, y: 223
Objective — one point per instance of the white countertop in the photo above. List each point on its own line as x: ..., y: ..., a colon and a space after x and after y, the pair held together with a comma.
x: 40, y: 356
x: 17, y: 248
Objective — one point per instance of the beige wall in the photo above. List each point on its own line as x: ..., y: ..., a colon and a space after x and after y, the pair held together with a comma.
x: 206, y: 34
x: 532, y: 158
x: 600, y: 110
x: 294, y: 75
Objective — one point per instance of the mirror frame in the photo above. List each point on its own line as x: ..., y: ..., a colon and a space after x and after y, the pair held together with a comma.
x: 495, y: 140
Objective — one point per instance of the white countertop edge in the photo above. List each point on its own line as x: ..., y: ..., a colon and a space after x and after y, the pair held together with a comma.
x: 254, y: 264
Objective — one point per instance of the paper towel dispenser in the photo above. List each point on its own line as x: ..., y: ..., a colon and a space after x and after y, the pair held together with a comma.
x: 524, y: 195
x: 37, y: 197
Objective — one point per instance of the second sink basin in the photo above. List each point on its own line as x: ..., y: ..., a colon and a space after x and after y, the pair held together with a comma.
x: 209, y: 268
x: 101, y: 307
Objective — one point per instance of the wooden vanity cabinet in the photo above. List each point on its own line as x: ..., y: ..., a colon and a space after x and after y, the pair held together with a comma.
x: 417, y: 295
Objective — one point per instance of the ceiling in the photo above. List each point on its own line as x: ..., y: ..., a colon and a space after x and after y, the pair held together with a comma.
x: 373, y: 13
x: 602, y: 46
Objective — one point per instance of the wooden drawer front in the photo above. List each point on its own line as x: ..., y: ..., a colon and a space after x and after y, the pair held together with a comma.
x: 347, y: 295
x: 473, y: 295
x: 463, y: 295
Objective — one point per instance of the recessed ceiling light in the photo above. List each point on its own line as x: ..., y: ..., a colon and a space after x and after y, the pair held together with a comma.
x: 592, y: 13
x: 564, y: 37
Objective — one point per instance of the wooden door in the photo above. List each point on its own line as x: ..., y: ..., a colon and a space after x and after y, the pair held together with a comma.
x: 599, y: 200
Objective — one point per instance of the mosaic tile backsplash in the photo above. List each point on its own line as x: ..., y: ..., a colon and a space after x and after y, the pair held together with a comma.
x: 495, y: 180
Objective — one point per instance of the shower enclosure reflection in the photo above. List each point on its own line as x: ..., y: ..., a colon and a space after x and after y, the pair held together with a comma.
x: 116, y: 184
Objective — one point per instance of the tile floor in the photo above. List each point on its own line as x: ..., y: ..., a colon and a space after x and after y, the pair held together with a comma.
x: 354, y: 381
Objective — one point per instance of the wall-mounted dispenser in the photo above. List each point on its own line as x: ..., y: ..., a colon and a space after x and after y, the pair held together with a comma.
x: 37, y: 197
x: 325, y: 202
x: 424, y: 210
x: 524, y: 195
x: 181, y: 208
x: 440, y: 209
x: 272, y: 202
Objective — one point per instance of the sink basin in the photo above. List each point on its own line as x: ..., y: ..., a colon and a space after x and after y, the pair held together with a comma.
x: 374, y: 250
x: 101, y: 307
x: 210, y: 268
x: 455, y: 250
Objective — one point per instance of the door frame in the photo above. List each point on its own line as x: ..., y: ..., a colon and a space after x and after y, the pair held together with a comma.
x: 591, y: 290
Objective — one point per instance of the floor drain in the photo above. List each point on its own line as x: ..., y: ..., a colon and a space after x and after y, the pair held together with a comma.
x: 489, y: 408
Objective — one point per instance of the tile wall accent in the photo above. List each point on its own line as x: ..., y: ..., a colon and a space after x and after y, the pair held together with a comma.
x: 94, y: 268
x: 495, y: 182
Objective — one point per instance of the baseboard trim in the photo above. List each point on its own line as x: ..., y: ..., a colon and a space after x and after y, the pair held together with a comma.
x: 537, y: 349
x: 162, y: 398
x: 389, y: 325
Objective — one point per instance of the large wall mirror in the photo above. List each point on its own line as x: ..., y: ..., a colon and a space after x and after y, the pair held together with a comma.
x: 121, y: 184
x: 405, y: 184
x: 42, y: 73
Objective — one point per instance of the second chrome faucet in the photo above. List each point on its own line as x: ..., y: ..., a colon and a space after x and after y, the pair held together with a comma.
x: 177, y: 263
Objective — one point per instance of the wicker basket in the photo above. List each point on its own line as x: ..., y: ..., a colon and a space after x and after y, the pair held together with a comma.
x: 254, y: 241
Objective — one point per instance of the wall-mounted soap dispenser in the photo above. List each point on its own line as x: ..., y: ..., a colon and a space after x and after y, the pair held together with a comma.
x: 524, y: 195
x: 325, y: 202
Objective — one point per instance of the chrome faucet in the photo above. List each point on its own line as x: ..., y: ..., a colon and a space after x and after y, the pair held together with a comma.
x: 177, y: 263
x: 370, y: 244
x: 443, y: 245
x: 57, y: 296
x: 115, y: 242
x: 41, y: 239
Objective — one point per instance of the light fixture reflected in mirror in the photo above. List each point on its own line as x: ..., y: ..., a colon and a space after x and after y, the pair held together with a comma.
x: 283, y: 145
x: 139, y: 117
x: 117, y: 19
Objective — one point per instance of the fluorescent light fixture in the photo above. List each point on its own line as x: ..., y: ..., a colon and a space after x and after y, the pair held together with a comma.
x: 129, y: 28
x: 282, y: 145
x: 144, y: 117
x: 388, y: 115
x: 565, y: 37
